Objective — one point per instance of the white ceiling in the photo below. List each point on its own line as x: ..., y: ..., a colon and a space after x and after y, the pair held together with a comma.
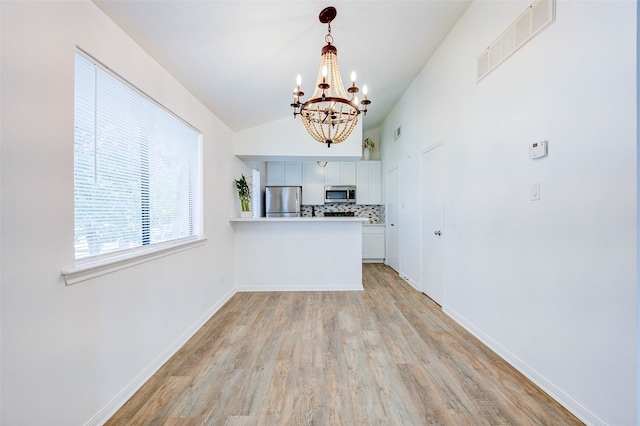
x: 241, y: 57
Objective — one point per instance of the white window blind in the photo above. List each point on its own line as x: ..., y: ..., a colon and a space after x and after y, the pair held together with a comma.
x: 255, y: 193
x: 136, y: 167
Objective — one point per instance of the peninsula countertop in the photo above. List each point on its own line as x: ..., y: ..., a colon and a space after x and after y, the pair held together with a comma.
x: 300, y: 219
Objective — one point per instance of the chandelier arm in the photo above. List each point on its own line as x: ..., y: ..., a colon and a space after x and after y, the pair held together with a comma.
x: 328, y: 99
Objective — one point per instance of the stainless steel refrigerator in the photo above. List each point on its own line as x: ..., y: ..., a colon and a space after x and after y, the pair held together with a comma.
x: 283, y: 201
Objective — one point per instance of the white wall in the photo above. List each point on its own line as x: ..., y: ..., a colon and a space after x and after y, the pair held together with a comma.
x: 638, y: 208
x: 404, y: 154
x: 549, y: 284
x: 73, y: 352
x: 287, y: 140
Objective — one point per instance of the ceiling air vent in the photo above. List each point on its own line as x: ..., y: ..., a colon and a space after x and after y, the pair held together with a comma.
x: 539, y: 15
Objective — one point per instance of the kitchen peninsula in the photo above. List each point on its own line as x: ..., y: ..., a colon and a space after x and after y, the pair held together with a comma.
x: 298, y: 253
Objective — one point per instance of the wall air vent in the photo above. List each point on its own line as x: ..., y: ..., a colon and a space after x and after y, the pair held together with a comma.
x: 539, y: 15
x: 397, y: 133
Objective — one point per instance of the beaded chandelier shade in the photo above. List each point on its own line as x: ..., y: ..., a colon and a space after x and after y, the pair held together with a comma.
x: 330, y: 115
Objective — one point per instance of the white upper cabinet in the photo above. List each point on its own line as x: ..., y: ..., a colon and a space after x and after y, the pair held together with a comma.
x: 369, y: 182
x: 366, y: 175
x: 312, y: 184
x: 332, y: 174
x: 340, y: 173
x: 348, y: 170
x: 375, y: 182
x: 275, y: 173
x: 284, y: 173
x: 293, y: 173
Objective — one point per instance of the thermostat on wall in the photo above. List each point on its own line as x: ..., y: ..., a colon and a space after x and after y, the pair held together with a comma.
x: 538, y: 149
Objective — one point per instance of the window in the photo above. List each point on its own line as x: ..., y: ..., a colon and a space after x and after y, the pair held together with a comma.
x: 255, y: 193
x: 137, y: 168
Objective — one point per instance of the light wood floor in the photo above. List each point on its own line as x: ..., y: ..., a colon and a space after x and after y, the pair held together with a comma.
x: 385, y: 356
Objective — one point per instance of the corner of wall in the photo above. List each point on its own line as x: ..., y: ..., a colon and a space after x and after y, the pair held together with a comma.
x: 638, y: 210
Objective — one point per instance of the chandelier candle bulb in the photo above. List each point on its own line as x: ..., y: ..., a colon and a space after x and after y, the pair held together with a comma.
x: 353, y: 89
x: 297, y: 89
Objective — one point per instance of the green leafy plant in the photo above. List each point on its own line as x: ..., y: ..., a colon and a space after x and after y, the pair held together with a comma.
x: 368, y: 144
x: 244, y: 192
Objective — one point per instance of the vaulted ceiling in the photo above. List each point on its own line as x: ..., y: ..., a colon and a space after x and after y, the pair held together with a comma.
x: 240, y: 58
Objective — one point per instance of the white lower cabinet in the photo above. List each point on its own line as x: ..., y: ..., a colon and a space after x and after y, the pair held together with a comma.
x: 373, y: 243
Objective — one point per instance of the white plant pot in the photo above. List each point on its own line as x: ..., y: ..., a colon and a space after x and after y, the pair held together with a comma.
x: 245, y: 214
x: 366, y: 155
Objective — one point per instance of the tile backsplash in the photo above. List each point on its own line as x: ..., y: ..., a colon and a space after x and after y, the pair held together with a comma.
x: 375, y: 213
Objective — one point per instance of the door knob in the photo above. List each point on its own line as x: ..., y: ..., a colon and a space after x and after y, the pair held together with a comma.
x: 438, y: 233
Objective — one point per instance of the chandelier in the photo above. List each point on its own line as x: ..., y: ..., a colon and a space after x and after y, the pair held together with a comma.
x: 330, y: 114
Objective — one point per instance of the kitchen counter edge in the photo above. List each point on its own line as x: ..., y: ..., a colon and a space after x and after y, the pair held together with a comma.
x: 299, y: 219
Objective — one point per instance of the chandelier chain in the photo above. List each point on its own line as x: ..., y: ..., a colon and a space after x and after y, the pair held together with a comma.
x: 329, y: 38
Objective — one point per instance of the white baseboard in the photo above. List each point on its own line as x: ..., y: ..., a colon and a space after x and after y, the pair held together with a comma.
x: 411, y: 282
x: 553, y: 391
x: 338, y: 287
x: 105, y: 413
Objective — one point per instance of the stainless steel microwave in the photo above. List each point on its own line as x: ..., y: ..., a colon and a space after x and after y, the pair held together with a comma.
x: 339, y: 194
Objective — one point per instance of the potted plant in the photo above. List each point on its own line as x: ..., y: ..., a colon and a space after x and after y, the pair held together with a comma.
x: 368, y: 145
x: 244, y: 193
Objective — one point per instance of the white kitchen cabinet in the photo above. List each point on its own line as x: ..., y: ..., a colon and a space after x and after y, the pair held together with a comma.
x: 340, y: 173
x: 348, y: 173
x: 332, y: 174
x: 275, y: 173
x: 312, y: 184
x: 377, y: 245
x: 373, y: 243
x: 293, y: 173
x: 287, y: 173
x: 369, y: 182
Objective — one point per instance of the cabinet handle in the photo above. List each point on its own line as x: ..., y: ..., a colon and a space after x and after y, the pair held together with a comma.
x: 438, y: 233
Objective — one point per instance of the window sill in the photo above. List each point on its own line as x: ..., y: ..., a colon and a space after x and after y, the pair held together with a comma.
x: 106, y: 266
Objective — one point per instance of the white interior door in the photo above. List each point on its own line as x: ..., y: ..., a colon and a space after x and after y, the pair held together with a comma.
x: 432, y: 223
x: 393, y: 219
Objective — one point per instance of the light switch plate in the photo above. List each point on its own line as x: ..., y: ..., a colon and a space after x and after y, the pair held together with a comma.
x: 534, y: 191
